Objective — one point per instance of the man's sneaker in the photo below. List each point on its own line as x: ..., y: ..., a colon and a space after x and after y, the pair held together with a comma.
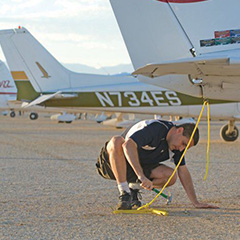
x: 125, y: 201
x: 135, y: 194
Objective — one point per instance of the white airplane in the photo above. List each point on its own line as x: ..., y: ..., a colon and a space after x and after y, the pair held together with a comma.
x: 196, y: 56
x: 190, y: 46
x: 41, y: 79
x: 8, y: 97
x: 8, y: 90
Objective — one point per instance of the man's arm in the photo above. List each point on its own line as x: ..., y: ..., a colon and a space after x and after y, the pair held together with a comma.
x: 186, y: 180
x: 131, y: 153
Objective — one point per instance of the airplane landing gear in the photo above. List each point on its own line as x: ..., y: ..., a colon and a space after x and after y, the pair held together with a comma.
x: 229, y: 132
x: 33, y: 116
x: 12, y: 114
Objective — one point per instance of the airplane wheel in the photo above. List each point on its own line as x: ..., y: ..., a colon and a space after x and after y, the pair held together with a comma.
x: 33, y: 116
x: 12, y: 114
x: 229, y: 137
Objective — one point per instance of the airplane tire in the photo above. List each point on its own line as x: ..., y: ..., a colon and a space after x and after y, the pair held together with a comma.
x: 229, y: 137
x: 12, y: 114
x: 33, y: 116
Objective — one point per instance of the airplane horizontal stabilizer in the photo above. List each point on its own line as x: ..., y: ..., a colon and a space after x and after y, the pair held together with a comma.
x: 197, y: 67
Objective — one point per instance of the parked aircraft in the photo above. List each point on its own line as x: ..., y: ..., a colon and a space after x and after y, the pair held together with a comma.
x: 182, y: 46
x: 42, y: 80
x: 9, y: 103
x: 197, y: 58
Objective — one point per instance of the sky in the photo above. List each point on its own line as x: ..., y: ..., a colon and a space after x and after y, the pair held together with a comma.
x: 73, y: 31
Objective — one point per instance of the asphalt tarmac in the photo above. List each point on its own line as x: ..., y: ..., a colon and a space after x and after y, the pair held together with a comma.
x: 50, y: 188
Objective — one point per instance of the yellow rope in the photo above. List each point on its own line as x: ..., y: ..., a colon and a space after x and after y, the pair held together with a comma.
x: 190, y: 140
x: 208, y: 143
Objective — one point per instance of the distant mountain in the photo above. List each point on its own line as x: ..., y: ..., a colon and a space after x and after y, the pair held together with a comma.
x: 80, y: 68
x: 122, y: 68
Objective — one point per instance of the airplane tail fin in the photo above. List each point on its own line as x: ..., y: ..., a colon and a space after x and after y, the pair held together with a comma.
x: 166, y: 30
x: 25, y: 90
x: 28, y: 60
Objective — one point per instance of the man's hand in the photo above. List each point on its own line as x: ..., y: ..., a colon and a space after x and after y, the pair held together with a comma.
x: 204, y: 205
x: 146, y: 183
x: 187, y: 183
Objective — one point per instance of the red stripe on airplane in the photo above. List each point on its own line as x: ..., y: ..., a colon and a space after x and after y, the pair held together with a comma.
x: 181, y: 1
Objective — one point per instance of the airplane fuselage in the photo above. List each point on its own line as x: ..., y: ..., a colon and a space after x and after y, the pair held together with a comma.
x: 132, y: 97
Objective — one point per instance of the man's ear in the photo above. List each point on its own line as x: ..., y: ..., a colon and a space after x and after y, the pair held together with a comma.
x: 180, y: 130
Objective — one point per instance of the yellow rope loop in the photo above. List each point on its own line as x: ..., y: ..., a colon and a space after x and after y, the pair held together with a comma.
x: 146, y: 206
x: 208, y: 143
x: 190, y: 140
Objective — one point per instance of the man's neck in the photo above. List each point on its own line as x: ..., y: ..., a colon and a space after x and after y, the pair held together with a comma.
x: 170, y: 132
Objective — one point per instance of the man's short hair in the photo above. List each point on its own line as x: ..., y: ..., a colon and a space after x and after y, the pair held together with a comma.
x: 187, y: 131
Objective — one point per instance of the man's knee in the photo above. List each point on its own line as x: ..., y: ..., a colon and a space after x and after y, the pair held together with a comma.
x: 115, y: 144
x: 173, y: 180
x: 163, y: 173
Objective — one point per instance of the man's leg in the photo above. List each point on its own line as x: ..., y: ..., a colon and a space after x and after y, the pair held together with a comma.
x: 119, y: 168
x: 161, y: 174
x: 117, y: 159
x: 136, y: 194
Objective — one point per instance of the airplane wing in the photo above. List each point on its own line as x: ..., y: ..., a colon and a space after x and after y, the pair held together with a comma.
x: 197, y: 67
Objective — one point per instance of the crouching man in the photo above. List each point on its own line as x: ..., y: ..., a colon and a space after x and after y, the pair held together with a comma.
x: 137, y: 156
